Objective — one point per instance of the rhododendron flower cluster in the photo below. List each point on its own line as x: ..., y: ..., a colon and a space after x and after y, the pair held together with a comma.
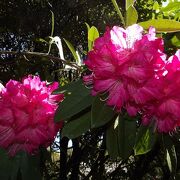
x: 26, y: 115
x: 126, y: 64
x: 165, y: 111
x: 130, y: 68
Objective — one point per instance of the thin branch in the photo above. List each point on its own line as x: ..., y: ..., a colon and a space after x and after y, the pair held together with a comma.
x: 118, y: 11
x: 42, y: 55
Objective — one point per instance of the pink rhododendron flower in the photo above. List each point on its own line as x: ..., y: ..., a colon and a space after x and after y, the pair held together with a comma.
x: 1, y: 87
x: 126, y: 64
x: 26, y: 115
x: 165, y: 111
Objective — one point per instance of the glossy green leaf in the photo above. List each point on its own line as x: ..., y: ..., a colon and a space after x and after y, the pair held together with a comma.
x: 162, y: 25
x: 77, y: 126
x: 72, y: 49
x: 100, y: 113
x: 92, y: 35
x: 77, y: 98
x: 131, y: 16
x: 129, y: 3
x: 30, y: 167
x: 112, y: 141
x: 126, y: 136
x: 145, y: 140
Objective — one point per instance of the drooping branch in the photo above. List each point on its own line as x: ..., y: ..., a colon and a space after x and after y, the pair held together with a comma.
x: 49, y: 56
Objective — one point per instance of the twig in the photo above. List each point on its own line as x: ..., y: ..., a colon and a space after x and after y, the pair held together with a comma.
x: 42, y: 55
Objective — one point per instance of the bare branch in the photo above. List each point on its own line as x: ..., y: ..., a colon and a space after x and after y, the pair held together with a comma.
x: 42, y: 55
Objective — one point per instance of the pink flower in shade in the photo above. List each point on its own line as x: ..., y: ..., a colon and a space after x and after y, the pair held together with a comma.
x: 165, y: 110
x: 125, y: 65
x: 26, y: 115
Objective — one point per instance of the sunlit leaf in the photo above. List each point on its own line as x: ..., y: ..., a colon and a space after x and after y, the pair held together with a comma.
x: 176, y: 40
x: 72, y: 49
x: 156, y: 6
x: 93, y: 34
x: 162, y: 25
x: 172, y: 6
x: 129, y: 3
x: 177, y: 16
x: 131, y: 16
x: 145, y: 140
x: 170, y: 154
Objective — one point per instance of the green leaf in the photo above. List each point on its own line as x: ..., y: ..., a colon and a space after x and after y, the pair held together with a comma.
x: 77, y: 126
x: 129, y: 3
x: 172, y: 6
x: 30, y: 167
x: 88, y: 27
x: 41, y: 40
x: 77, y: 99
x: 170, y: 154
x: 177, y: 16
x: 162, y: 25
x: 176, y: 40
x: 156, y: 6
x: 126, y: 136
x: 131, y: 16
x: 15, y: 166
x: 100, y: 113
x: 5, y: 165
x: 89, y: 42
x: 52, y: 23
x: 171, y: 159
x: 145, y: 140
x: 92, y: 35
x: 9, y: 166
x: 112, y: 141
x: 72, y: 49
x: 27, y: 165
